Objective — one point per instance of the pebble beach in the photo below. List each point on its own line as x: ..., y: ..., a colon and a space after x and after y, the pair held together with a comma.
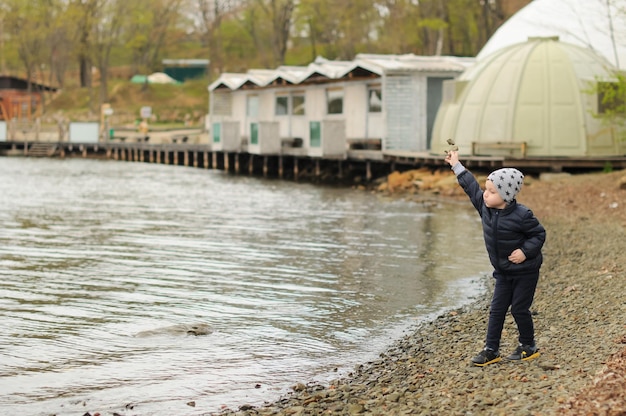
x: 580, y: 325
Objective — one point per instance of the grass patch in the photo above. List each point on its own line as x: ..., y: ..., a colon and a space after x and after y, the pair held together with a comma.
x: 171, y: 104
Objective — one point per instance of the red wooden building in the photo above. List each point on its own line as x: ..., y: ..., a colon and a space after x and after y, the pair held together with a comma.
x: 18, y: 101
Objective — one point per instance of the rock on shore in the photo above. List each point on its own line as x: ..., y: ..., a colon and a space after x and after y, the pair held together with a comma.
x: 580, y: 320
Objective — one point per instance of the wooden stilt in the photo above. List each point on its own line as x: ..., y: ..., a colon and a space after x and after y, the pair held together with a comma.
x: 265, y: 168
x: 280, y: 167
x: 251, y: 165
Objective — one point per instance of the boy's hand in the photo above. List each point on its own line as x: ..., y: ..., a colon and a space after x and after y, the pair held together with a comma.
x: 452, y: 157
x: 517, y: 256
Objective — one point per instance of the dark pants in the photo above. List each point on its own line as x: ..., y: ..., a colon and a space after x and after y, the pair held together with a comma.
x: 518, y: 293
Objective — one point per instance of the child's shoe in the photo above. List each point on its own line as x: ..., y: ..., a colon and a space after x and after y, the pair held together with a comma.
x: 486, y: 357
x: 524, y: 353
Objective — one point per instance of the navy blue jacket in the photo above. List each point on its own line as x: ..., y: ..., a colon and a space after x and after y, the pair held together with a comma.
x: 506, y: 230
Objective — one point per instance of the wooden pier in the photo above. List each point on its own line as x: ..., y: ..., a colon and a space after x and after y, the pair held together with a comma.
x: 356, y: 166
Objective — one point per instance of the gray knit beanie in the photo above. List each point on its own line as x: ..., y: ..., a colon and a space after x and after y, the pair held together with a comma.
x: 508, y: 182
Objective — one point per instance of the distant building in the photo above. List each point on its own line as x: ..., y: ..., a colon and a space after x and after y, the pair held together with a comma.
x: 17, y: 101
x: 324, y: 108
x: 183, y: 69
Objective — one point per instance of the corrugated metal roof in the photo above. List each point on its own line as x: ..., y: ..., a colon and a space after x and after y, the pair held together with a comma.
x: 331, y: 70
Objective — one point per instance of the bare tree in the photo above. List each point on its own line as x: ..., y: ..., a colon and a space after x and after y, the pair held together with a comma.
x: 83, y: 14
x: 212, y: 14
x: 272, y: 24
x: 106, y: 34
x: 21, y: 23
x: 149, y: 30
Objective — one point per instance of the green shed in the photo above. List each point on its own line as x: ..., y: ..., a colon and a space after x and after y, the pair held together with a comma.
x: 183, y: 69
x: 538, y: 94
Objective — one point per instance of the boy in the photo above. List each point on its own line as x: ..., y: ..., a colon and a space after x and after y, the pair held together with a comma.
x: 514, y: 238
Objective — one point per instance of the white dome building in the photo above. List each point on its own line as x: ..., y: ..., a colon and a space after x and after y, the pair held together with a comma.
x: 538, y: 93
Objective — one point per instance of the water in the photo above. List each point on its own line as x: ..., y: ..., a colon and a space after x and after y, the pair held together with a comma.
x: 298, y: 282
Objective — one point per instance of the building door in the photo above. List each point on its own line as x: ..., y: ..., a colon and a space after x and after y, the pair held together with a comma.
x: 434, y: 95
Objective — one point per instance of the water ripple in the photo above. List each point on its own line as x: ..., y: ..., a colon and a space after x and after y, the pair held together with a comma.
x: 294, y: 280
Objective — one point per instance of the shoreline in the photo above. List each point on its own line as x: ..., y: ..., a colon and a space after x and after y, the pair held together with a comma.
x: 579, y: 313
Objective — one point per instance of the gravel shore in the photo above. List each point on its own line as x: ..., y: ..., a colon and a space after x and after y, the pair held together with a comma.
x: 580, y: 324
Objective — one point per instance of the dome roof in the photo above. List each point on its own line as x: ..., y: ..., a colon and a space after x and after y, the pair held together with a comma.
x: 599, y: 25
x: 537, y: 92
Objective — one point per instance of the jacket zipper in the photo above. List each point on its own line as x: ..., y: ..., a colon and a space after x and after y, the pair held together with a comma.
x: 495, y: 236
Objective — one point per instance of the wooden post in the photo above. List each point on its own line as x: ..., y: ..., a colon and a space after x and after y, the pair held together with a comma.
x: 186, y: 158
x: 195, y: 159
x: 317, y: 167
x: 158, y: 156
x: 205, y: 159
x: 214, y: 158
x: 280, y: 166
x: 236, y: 162
x: 265, y: 168
x: 175, y: 157
x: 251, y: 165
x: 226, y: 162
x: 368, y: 171
x: 295, y: 168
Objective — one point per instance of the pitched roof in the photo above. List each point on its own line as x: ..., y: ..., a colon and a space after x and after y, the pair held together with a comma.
x: 323, y: 69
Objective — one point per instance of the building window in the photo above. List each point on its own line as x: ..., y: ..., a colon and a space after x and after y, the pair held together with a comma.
x: 297, y: 105
x: 334, y: 100
x: 374, y: 100
x: 252, y: 108
x: 287, y: 103
x: 222, y: 104
x: 282, y: 105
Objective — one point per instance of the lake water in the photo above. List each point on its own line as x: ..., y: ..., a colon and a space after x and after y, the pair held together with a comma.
x: 298, y: 283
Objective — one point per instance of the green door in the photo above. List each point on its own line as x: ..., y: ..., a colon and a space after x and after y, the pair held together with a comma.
x: 315, y: 134
x: 254, y: 133
x: 217, y: 132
